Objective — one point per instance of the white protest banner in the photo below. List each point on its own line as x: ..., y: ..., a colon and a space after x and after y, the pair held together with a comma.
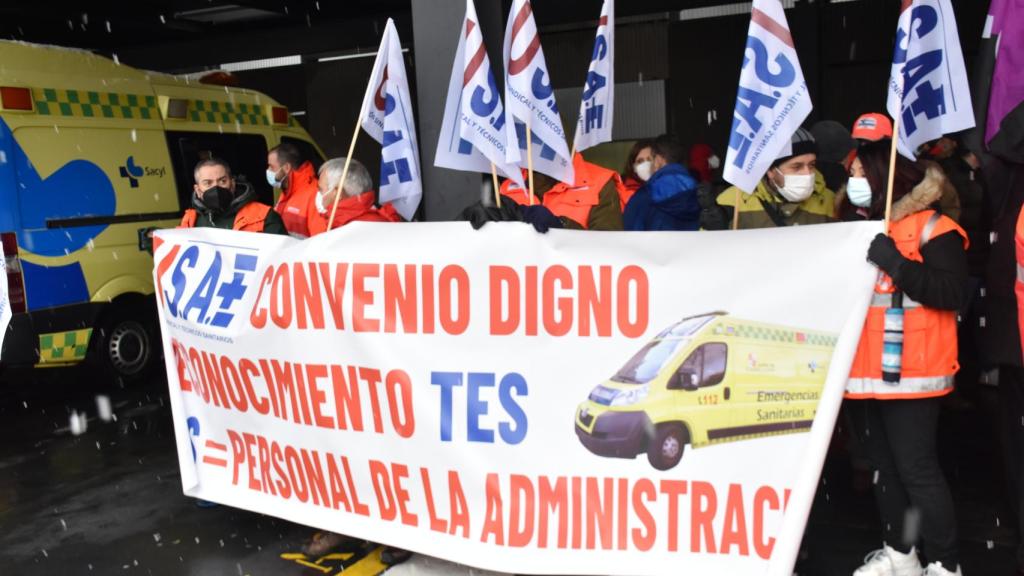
x: 615, y: 403
x: 928, y: 86
x: 594, y: 124
x: 772, y: 100
x: 529, y: 96
x: 5, y: 303
x: 388, y: 119
x: 473, y: 132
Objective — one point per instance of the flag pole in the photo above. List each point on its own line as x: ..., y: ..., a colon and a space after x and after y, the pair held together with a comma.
x: 529, y: 157
x: 344, y: 171
x: 494, y: 179
x: 736, y: 209
x: 892, y: 162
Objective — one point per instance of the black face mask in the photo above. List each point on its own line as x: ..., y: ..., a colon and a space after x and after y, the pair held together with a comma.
x: 217, y: 199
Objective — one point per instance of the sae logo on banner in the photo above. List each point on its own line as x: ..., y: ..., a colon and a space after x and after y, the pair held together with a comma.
x: 772, y: 100
x: 928, y: 86
x: 204, y: 285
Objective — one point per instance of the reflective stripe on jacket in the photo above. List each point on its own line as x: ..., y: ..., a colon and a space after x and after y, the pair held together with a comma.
x: 929, y: 358
x: 1018, y: 285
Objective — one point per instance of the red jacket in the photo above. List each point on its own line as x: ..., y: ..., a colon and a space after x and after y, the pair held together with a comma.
x: 355, y: 209
x: 297, y: 203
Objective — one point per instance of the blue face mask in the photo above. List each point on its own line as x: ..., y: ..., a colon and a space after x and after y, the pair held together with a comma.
x: 272, y: 178
x: 858, y: 190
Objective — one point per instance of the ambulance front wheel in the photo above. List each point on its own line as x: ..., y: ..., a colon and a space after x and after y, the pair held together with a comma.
x: 124, y: 343
x: 665, y: 448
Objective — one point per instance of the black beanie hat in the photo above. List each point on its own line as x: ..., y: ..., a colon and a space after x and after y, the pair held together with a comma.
x: 802, y: 142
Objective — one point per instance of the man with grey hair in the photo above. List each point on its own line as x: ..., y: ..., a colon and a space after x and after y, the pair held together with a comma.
x: 357, y: 196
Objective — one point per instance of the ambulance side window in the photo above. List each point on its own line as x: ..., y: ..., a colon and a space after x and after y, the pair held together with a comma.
x: 715, y: 356
x: 706, y: 364
x: 691, y: 367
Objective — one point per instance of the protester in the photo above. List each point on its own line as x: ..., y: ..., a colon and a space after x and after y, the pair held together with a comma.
x: 218, y: 203
x: 638, y: 169
x: 357, y: 197
x: 791, y: 193
x: 963, y: 169
x: 703, y: 162
x: 871, y: 127
x: 1001, y: 333
x: 668, y: 200
x: 896, y: 408
x: 592, y: 202
x: 297, y: 180
x: 356, y: 205
x: 835, y: 146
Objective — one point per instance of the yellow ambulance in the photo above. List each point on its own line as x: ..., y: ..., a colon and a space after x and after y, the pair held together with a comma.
x: 91, y: 154
x: 707, y: 379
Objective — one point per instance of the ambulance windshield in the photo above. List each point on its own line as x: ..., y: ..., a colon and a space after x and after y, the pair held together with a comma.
x: 687, y: 327
x: 646, y: 364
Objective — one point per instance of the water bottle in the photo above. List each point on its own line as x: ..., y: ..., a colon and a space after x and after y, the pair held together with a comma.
x: 892, y: 341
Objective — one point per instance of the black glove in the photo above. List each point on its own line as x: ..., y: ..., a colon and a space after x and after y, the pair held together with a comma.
x: 541, y: 218
x: 478, y: 214
x: 884, y: 254
x: 705, y: 195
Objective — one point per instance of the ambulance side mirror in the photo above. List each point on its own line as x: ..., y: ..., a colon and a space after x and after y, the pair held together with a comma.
x: 683, y: 380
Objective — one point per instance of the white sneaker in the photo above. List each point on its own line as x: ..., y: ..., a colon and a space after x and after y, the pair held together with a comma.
x: 889, y: 562
x: 936, y: 569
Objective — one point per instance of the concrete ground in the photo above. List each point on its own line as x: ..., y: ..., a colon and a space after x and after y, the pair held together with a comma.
x: 108, y: 501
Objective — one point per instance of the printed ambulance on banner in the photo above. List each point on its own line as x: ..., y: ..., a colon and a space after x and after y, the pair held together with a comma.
x: 425, y: 403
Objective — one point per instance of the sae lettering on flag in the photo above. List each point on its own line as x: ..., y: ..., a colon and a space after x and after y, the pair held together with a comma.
x: 928, y: 85
x: 772, y: 100
x: 387, y: 110
x: 594, y: 124
x: 529, y: 94
x: 473, y: 131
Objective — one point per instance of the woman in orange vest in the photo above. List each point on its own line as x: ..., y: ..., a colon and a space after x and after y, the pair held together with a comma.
x: 215, y: 203
x: 638, y: 169
x: 921, y: 283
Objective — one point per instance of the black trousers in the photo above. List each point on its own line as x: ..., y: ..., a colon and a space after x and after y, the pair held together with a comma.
x: 1011, y: 401
x: 899, y: 440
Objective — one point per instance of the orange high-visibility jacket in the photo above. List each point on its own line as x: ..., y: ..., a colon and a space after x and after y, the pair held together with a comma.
x: 929, y: 335
x: 571, y: 201
x: 1018, y: 285
x: 249, y: 218
x: 297, y: 203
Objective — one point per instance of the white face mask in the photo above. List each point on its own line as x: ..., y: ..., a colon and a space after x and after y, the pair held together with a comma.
x: 798, y: 187
x: 714, y: 162
x: 858, y: 190
x: 644, y: 170
x: 272, y: 178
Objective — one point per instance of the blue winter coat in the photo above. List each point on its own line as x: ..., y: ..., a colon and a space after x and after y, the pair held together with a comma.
x: 668, y: 201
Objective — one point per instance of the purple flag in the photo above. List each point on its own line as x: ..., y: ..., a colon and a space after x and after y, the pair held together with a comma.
x: 1007, y: 82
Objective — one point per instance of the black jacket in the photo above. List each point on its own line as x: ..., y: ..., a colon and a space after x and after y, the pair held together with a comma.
x: 1004, y: 171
